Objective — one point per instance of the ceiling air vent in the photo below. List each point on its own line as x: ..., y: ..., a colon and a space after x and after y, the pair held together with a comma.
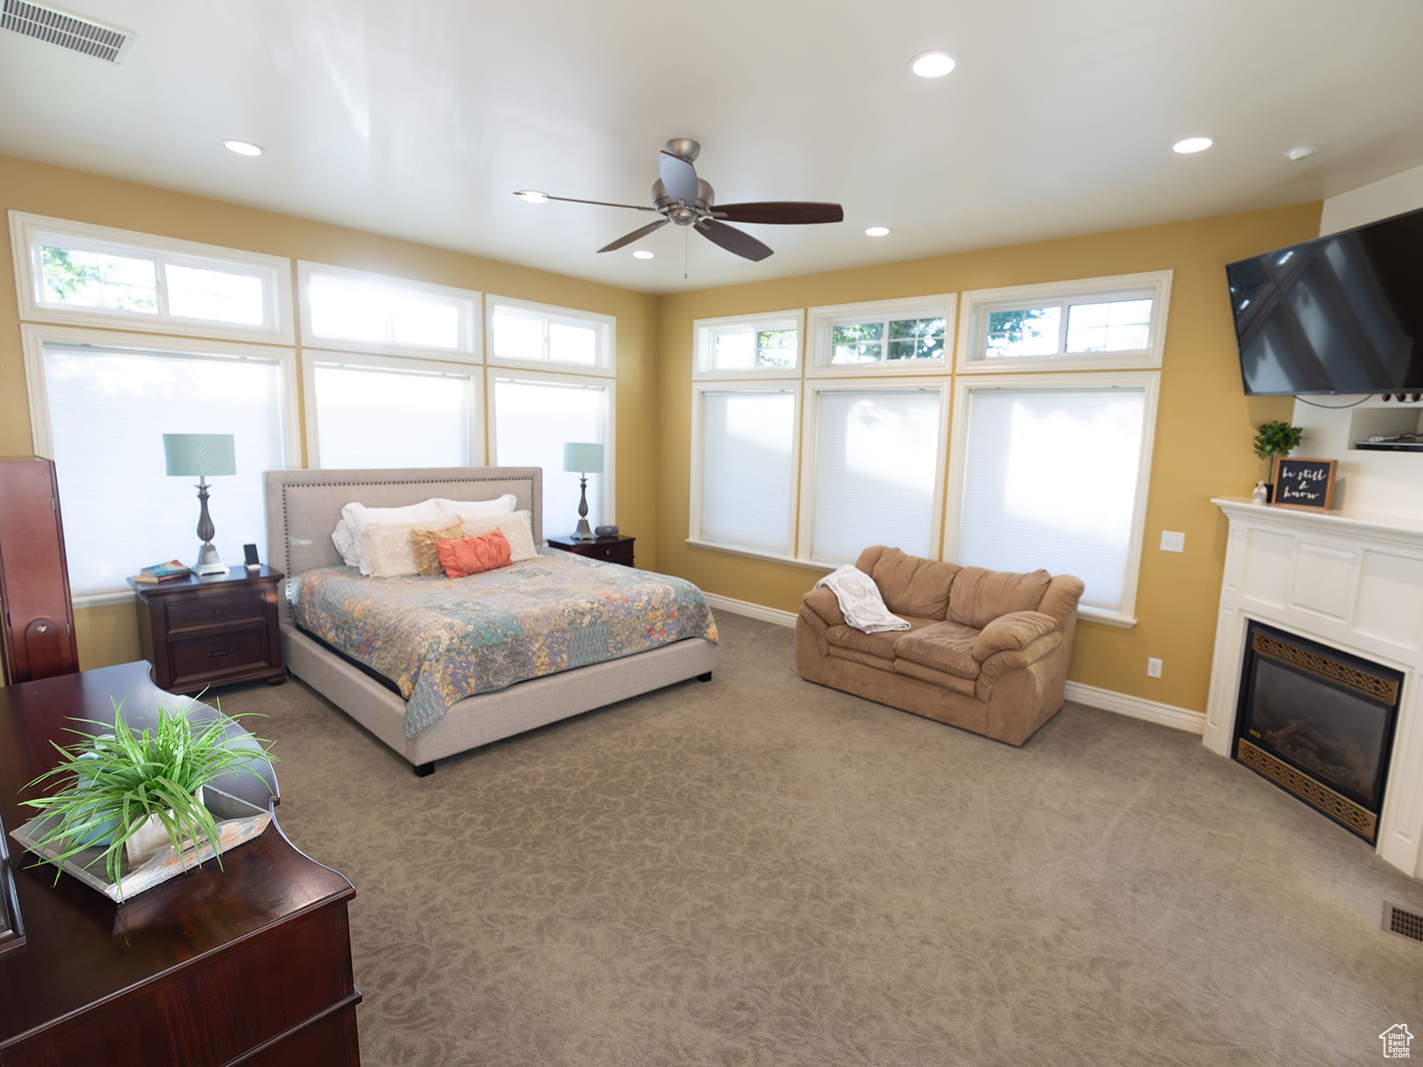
x: 65, y: 30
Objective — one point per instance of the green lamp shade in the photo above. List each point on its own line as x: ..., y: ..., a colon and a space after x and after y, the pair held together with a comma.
x: 199, y: 453
x: 583, y: 458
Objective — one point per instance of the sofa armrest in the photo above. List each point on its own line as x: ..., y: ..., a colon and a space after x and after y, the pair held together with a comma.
x: 821, y: 605
x: 1012, y: 633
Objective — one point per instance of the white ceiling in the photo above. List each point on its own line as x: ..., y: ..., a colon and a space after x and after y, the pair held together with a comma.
x: 419, y: 119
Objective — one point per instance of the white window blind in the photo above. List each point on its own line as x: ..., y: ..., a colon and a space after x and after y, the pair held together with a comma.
x: 876, y: 468
x: 108, y: 412
x: 391, y: 417
x: 533, y: 420
x: 747, y: 450
x: 1050, y: 480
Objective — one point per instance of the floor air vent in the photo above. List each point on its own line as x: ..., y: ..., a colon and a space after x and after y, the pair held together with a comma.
x: 65, y: 30
x: 1403, y: 923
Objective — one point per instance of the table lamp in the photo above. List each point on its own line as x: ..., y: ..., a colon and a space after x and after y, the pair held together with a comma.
x: 201, y: 454
x: 583, y: 460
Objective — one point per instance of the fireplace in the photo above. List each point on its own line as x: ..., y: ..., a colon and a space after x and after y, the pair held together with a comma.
x: 1319, y: 723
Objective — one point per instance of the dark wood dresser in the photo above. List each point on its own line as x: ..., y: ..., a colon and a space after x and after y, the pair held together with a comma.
x: 250, y: 963
x: 36, y: 615
x: 203, y: 632
x: 611, y: 549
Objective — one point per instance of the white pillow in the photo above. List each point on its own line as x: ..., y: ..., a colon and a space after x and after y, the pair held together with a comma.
x: 427, y: 512
x: 478, y: 509
x: 517, y: 529
x: 345, y: 544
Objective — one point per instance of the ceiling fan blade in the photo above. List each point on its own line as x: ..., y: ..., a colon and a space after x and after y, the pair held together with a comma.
x: 600, y: 203
x: 637, y: 234
x: 780, y: 212
x: 678, y: 177
x: 733, y: 240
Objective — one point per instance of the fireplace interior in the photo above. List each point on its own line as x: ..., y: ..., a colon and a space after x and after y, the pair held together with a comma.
x: 1319, y: 723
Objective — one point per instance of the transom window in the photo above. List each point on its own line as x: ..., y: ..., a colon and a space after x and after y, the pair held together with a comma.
x: 749, y: 345
x: 522, y: 333
x: 882, y: 337
x: 359, y: 311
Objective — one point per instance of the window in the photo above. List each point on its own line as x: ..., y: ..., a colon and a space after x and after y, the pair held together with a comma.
x: 521, y: 333
x: 872, y: 468
x: 749, y: 345
x: 883, y: 337
x: 377, y: 412
x: 100, y: 412
x: 356, y: 311
x: 1097, y: 323
x: 744, y: 448
x: 1052, y: 474
x: 534, y: 416
x: 71, y: 272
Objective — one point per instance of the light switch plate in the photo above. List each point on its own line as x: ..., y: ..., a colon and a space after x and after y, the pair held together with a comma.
x: 1171, y: 541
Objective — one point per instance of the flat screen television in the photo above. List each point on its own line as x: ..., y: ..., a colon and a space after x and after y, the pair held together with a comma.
x: 1338, y: 314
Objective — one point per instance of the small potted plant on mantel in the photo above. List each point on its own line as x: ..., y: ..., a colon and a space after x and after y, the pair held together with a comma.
x: 135, y: 794
x: 1272, y: 440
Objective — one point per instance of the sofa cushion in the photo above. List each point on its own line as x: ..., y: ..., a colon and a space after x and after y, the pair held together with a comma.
x: 944, y: 646
x: 979, y: 596
x: 908, y: 584
x: 1012, y: 632
x: 878, y: 645
x: 943, y: 679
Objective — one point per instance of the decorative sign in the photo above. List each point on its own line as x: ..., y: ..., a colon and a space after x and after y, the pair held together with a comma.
x: 1304, y: 483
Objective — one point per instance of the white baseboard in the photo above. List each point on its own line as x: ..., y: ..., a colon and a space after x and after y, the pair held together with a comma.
x: 1193, y: 722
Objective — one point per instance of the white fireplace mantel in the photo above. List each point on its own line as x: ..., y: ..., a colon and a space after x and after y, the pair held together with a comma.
x: 1350, y: 581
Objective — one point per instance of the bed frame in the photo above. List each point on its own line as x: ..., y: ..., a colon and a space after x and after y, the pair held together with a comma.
x: 303, y: 507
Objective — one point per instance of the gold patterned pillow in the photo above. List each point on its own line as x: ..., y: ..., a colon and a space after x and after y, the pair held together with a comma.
x: 422, y: 543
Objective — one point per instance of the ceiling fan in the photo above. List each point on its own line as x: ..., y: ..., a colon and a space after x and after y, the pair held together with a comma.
x: 680, y: 196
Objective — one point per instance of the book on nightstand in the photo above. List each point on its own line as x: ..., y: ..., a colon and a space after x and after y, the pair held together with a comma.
x: 162, y: 572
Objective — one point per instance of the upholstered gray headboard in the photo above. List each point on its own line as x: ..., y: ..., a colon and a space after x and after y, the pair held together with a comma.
x: 303, y: 506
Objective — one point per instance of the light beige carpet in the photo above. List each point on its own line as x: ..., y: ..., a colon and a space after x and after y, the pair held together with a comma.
x: 761, y: 871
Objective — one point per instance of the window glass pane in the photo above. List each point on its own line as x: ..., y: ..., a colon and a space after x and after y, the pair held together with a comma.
x: 532, y: 422
x: 517, y: 336
x: 876, y: 466
x: 733, y: 349
x: 1109, y: 326
x: 568, y: 343
x: 378, y: 417
x: 216, y: 295
x: 1050, y: 481
x: 108, y: 413
x: 420, y: 321
x: 1024, y: 332
x: 856, y: 343
x: 746, y: 447
x: 346, y: 310
x: 864, y: 352
x: 776, y: 348
x: 99, y: 280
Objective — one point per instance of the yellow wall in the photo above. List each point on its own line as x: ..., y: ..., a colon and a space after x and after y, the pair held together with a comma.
x: 1203, y: 437
x: 108, y: 634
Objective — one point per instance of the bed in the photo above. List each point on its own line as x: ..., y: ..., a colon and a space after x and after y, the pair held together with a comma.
x: 304, y: 506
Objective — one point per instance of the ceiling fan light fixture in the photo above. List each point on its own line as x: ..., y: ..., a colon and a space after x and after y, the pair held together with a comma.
x: 877, y: 231
x: 934, y: 64
x: 1191, y: 145
x: 242, y: 148
x: 1303, y: 151
x: 532, y: 196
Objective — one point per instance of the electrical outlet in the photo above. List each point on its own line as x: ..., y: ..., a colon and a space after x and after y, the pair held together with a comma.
x: 1153, y: 668
x: 1171, y: 541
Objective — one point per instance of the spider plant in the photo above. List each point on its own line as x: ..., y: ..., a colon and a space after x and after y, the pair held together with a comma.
x: 111, y: 783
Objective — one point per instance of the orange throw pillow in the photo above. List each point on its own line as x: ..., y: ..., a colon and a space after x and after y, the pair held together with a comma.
x: 472, y: 555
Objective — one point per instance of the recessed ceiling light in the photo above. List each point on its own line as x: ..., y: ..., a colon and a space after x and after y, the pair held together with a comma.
x: 877, y: 231
x: 243, y: 148
x: 533, y: 196
x: 933, y: 64
x: 642, y: 253
x: 1295, y: 154
x: 1192, y: 144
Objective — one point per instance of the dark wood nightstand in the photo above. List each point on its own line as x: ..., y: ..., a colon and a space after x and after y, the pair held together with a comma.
x: 204, y: 632
x: 611, y: 549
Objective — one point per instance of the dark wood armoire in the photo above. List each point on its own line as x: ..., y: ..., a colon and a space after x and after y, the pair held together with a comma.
x: 35, y: 608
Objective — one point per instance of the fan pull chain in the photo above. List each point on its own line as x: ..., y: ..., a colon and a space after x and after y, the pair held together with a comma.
x: 686, y: 247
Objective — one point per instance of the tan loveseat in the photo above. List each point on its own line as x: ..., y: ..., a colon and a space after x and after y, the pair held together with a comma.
x: 986, y: 650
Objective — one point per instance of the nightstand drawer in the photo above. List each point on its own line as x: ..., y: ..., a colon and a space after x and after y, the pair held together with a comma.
x: 193, y: 658
x: 206, y: 612
x: 613, y: 553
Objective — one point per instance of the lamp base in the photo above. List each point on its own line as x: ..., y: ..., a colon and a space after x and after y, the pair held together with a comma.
x: 208, y: 564
x: 583, y: 533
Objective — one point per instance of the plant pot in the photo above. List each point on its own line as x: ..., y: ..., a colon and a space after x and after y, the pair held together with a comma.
x: 151, y: 838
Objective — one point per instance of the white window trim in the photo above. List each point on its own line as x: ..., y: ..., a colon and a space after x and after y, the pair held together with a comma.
x: 703, y: 329
x: 275, y: 272
x: 810, y: 430
x: 818, y: 365
x: 310, y: 357
x: 694, y: 503
x: 606, y: 325
x: 978, y: 303
x: 1147, y: 381
x: 607, y: 508
x: 468, y: 350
